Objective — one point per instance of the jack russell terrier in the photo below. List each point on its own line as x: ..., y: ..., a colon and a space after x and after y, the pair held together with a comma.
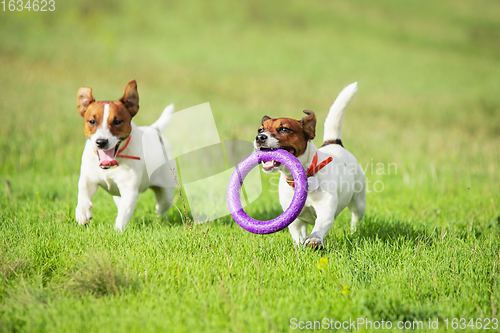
x: 335, y: 178
x: 113, y: 157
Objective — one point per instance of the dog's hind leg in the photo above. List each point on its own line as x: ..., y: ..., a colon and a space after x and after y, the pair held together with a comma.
x: 164, y: 196
x: 357, y: 208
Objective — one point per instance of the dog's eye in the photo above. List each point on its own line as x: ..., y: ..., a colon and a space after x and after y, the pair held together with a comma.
x: 117, y: 122
x: 92, y: 122
x: 284, y: 130
x: 260, y: 130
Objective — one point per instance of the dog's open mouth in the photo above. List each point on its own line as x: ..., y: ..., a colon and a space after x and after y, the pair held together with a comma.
x: 107, y: 157
x: 271, y: 166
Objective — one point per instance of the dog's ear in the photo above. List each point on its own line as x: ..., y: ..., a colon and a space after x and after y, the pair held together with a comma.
x: 309, y: 124
x: 265, y: 118
x: 84, y: 98
x: 130, y: 98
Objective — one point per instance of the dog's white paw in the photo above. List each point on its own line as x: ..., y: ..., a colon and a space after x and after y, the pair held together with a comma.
x: 314, y: 243
x: 161, y: 210
x: 83, y: 213
x: 120, y: 224
x: 119, y: 227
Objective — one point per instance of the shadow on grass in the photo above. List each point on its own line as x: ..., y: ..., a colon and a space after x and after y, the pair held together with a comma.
x: 177, y: 215
x: 373, y: 229
x: 394, y: 231
x: 390, y: 230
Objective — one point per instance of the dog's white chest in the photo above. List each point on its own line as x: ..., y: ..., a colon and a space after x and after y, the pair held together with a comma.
x: 312, y: 183
x: 109, y: 185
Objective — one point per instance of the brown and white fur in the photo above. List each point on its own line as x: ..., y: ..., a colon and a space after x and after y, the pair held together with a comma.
x: 107, y: 126
x: 341, y: 182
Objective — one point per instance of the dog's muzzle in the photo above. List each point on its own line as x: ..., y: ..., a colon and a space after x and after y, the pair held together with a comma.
x: 261, y: 138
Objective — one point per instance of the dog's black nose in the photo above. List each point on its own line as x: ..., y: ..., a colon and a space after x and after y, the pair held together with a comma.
x: 101, y: 143
x: 261, y: 137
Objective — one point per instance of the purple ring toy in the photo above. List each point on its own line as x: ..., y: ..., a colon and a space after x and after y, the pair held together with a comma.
x: 242, y: 170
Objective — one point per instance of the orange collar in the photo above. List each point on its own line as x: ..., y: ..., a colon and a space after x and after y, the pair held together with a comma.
x: 127, y: 156
x: 313, y: 168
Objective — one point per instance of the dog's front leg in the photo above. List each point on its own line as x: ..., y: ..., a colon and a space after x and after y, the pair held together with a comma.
x: 126, y: 207
x: 298, y: 230
x: 86, y: 190
x: 325, y: 211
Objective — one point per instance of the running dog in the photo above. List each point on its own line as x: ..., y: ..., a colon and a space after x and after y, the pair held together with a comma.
x: 114, y: 157
x: 335, y: 179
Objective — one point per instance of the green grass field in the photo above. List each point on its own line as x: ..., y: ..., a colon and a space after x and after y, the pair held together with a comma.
x: 428, y: 102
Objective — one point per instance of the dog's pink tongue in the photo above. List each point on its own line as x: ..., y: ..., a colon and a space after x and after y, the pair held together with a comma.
x: 107, y: 158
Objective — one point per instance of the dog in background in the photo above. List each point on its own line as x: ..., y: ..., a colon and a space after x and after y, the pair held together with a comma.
x: 335, y: 178
x: 113, y: 157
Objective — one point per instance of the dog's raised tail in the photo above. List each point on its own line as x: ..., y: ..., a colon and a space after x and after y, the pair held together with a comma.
x: 165, y: 118
x: 333, y: 122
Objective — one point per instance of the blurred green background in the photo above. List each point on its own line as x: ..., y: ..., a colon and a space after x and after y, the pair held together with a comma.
x: 427, y: 71
x: 428, y: 101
